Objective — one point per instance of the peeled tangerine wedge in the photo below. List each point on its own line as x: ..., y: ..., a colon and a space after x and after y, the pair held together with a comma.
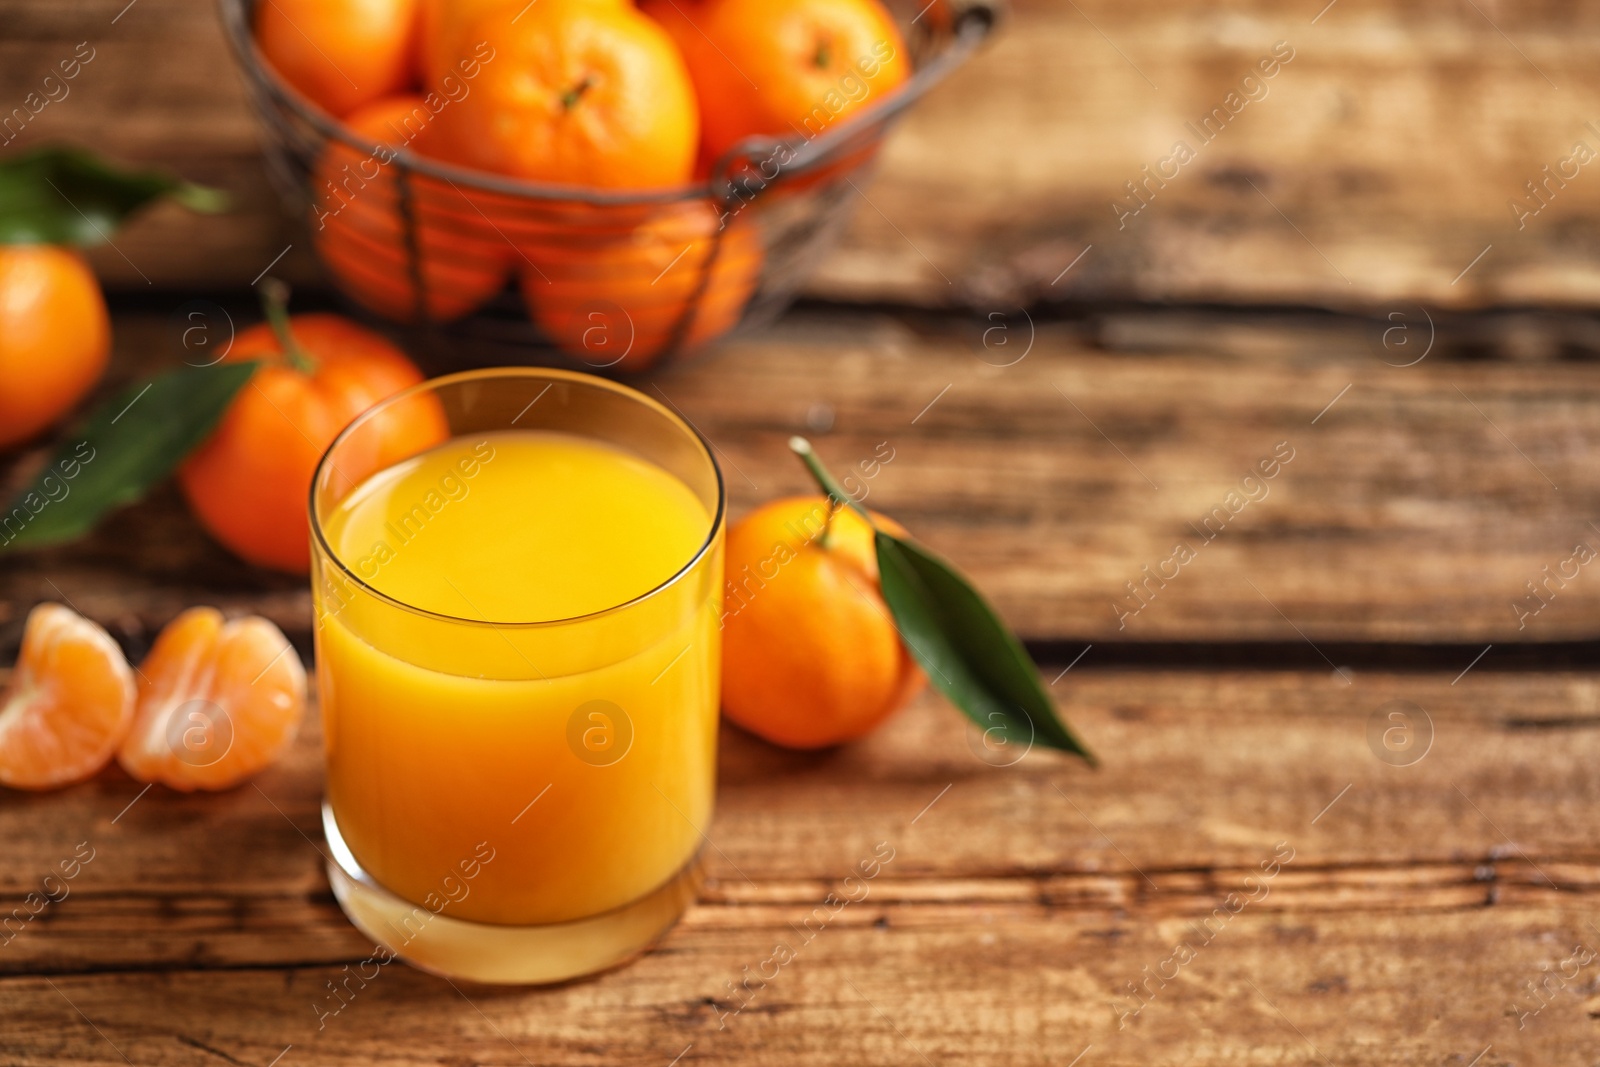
x: 69, y: 703
x: 218, y: 702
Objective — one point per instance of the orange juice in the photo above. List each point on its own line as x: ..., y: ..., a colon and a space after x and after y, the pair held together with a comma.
x: 535, y: 678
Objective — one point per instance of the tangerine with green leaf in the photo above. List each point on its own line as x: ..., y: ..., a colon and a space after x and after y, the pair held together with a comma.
x: 810, y: 653
x: 55, y: 333
x: 954, y: 633
x: 250, y: 481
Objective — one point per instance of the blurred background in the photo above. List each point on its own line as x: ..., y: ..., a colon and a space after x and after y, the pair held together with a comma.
x: 1380, y: 161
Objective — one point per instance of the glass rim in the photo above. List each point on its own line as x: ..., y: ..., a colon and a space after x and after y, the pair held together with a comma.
x: 718, y: 516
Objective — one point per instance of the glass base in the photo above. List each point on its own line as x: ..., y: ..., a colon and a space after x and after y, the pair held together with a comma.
x: 499, y: 954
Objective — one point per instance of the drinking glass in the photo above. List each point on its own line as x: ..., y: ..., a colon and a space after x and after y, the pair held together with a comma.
x: 518, y: 801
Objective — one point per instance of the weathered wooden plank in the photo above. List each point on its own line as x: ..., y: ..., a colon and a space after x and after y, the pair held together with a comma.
x: 1393, y: 144
x: 1204, y: 777
x: 175, y: 932
x: 1418, y: 505
x: 985, y: 986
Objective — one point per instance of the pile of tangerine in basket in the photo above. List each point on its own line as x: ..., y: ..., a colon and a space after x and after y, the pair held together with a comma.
x: 592, y: 93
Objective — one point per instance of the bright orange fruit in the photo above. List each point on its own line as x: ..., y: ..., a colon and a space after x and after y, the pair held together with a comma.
x: 340, y: 53
x: 792, y: 69
x: 218, y: 702
x: 810, y: 653
x: 444, y: 24
x: 616, y: 302
x: 578, y: 92
x: 55, y: 337
x: 250, y: 481
x: 359, y: 231
x: 69, y: 702
x: 439, y: 41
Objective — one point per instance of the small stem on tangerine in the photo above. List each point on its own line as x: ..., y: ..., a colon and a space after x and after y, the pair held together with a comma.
x: 275, y: 302
x: 825, y: 538
x: 836, y: 494
x: 570, y: 98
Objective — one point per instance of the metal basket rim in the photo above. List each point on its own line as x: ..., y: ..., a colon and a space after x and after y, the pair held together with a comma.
x: 970, y: 27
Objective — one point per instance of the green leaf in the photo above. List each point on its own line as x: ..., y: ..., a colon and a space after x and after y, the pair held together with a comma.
x: 68, y: 196
x: 966, y: 650
x: 128, y: 445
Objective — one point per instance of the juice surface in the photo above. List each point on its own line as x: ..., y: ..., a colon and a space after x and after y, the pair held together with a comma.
x: 580, y: 754
x: 518, y: 527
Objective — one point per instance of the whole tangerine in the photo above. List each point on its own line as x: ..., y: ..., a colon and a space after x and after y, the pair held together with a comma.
x: 784, y: 68
x: 55, y: 337
x: 340, y: 53
x: 440, y: 24
x: 579, y: 92
x: 359, y: 230
x: 621, y: 301
x: 810, y: 653
x: 249, y: 482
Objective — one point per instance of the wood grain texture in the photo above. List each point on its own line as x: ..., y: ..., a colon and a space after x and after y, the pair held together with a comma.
x: 985, y: 986
x: 1421, y: 899
x: 1414, y: 909
x: 1505, y: 784
x: 1419, y: 502
x: 1380, y: 162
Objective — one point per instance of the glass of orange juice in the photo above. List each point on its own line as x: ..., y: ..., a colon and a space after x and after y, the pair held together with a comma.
x: 518, y: 652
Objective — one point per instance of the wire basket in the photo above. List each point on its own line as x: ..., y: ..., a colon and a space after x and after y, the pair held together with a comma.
x: 617, y: 282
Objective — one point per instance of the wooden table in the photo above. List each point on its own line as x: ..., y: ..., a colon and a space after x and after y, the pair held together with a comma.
x: 1280, y: 886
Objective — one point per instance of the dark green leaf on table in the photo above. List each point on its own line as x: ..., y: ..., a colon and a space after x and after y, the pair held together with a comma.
x: 966, y: 651
x: 68, y: 196
x: 126, y: 446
